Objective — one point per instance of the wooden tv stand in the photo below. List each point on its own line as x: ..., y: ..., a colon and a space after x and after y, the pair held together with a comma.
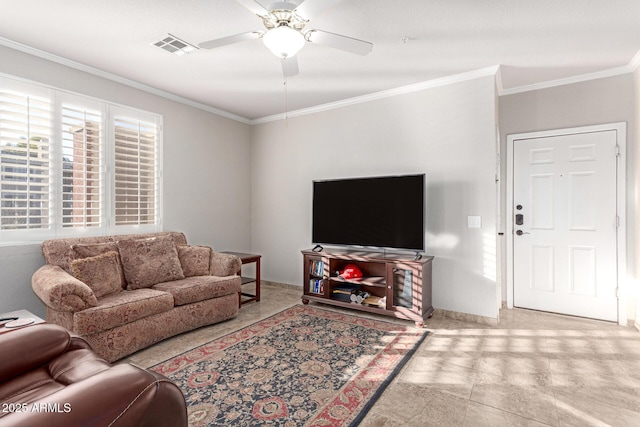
x: 403, y: 282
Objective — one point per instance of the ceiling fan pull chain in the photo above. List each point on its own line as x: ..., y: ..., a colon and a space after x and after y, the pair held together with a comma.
x: 286, y: 97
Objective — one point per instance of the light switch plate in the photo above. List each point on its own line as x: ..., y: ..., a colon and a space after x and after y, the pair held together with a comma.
x: 474, y: 221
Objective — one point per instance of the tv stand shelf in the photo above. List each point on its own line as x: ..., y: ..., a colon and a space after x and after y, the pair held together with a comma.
x: 399, y: 285
x: 378, y: 282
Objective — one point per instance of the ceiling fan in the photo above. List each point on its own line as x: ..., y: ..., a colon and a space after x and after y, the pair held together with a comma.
x: 285, y: 33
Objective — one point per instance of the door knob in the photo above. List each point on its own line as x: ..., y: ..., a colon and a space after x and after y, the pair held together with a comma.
x: 520, y: 232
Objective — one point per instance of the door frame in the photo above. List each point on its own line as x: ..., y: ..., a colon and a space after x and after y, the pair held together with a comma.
x: 621, y: 196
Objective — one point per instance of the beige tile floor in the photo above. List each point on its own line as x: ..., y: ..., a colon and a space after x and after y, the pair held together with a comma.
x: 533, y: 369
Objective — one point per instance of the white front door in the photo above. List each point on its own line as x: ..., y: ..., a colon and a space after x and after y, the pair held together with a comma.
x: 564, y: 221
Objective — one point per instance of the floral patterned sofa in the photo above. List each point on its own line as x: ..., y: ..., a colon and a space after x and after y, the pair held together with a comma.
x: 124, y: 293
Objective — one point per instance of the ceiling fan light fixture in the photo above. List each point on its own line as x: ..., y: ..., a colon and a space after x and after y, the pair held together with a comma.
x: 283, y: 41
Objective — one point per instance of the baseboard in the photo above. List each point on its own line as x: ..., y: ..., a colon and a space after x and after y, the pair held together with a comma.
x: 281, y: 285
x: 465, y: 317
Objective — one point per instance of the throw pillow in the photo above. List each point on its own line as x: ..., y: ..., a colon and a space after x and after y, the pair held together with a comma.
x: 93, y: 249
x: 102, y: 273
x: 195, y: 260
x: 147, y: 262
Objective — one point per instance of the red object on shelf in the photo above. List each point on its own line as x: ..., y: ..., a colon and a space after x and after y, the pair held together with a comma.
x: 351, y: 271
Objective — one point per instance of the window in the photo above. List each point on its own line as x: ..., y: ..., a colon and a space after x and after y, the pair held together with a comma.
x: 82, y: 167
x: 73, y: 165
x: 25, y: 135
x: 135, y: 171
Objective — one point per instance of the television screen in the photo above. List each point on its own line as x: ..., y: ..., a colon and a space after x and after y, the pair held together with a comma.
x: 386, y: 212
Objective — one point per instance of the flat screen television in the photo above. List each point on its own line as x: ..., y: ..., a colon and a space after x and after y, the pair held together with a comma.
x: 383, y: 212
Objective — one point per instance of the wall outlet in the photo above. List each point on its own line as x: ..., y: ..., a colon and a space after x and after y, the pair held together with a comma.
x: 474, y: 221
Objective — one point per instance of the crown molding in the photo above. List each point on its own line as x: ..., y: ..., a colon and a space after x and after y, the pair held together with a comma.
x: 634, y: 64
x: 612, y: 72
x: 483, y: 72
x: 631, y: 67
x: 118, y: 79
x: 305, y: 111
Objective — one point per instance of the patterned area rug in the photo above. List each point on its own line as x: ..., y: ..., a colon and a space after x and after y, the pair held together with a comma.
x: 303, y: 366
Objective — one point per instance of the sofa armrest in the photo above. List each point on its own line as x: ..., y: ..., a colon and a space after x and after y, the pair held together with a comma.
x: 78, y: 342
x: 122, y: 396
x: 61, y: 291
x: 224, y: 264
x: 29, y: 348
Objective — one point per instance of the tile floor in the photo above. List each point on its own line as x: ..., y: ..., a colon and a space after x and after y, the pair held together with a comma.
x: 533, y: 369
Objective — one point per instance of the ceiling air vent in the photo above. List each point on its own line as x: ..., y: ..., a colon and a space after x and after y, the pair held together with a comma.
x: 173, y: 44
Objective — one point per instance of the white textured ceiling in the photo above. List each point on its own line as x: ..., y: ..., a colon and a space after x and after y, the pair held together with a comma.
x: 533, y: 41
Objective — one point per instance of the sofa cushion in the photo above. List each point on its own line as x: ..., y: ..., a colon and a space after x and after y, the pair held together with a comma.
x: 200, y: 288
x: 149, y: 261
x: 121, y: 308
x: 102, y: 273
x: 195, y: 260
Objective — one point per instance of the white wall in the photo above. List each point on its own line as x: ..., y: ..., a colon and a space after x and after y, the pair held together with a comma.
x: 249, y: 189
x: 446, y: 132
x: 206, y: 171
x: 600, y: 101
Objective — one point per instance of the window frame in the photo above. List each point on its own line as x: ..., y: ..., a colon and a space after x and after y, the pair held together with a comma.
x: 108, y: 110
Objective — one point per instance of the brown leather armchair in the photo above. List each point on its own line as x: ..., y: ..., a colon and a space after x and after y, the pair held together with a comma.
x: 49, y: 377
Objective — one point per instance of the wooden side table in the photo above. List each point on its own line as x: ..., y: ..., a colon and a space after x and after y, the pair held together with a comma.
x: 248, y: 259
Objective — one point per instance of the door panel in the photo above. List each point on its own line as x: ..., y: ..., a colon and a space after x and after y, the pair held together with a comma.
x: 564, y: 251
x: 541, y: 202
x: 582, y: 270
x: 542, y: 268
x: 583, y: 203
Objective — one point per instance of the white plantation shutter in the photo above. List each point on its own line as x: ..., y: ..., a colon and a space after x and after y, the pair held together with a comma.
x: 71, y: 165
x: 136, y: 167
x: 82, y: 167
x: 25, y: 137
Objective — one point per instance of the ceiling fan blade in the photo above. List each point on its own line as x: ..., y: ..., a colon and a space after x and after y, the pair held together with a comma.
x: 289, y: 67
x: 311, y: 8
x: 359, y: 47
x: 254, y: 7
x: 212, y: 44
